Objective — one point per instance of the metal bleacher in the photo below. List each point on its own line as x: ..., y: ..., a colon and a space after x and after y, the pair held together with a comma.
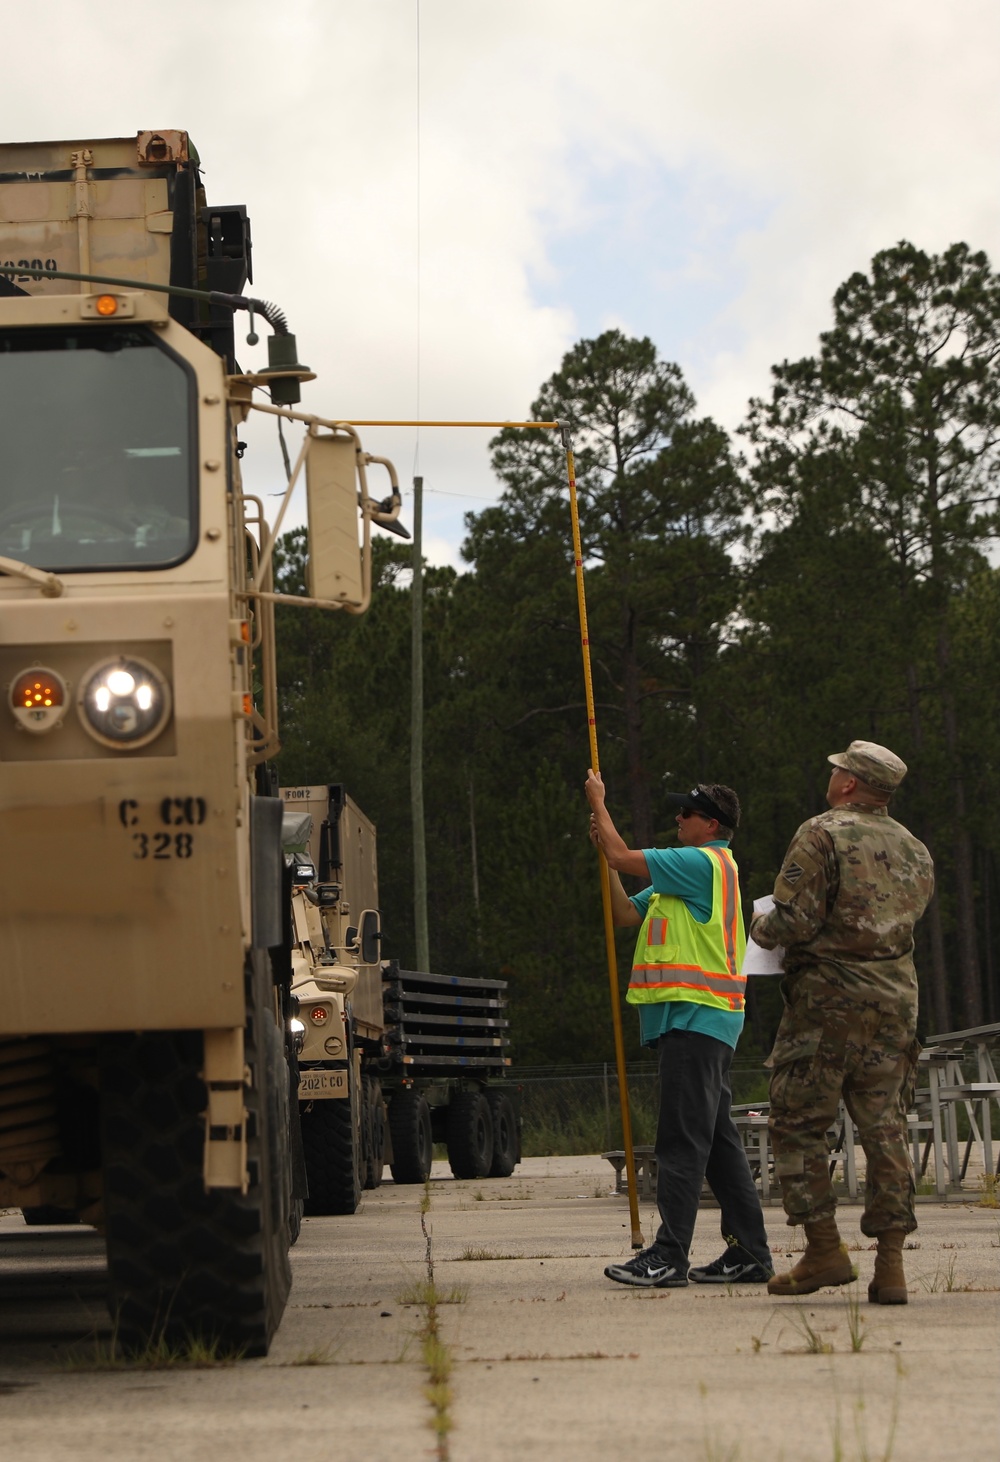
x: 957, y: 1072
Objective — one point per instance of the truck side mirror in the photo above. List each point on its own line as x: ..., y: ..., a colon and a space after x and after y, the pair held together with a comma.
x: 371, y: 937
x: 334, y: 571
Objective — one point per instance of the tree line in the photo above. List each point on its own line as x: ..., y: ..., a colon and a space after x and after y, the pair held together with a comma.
x: 755, y: 602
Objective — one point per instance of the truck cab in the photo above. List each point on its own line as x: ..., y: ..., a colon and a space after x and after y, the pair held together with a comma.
x: 146, y: 1063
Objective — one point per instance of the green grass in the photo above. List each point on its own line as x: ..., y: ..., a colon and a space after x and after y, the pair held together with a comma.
x: 107, y: 1355
x: 855, y: 1319
x: 425, y: 1292
x: 814, y: 1342
x: 574, y: 1114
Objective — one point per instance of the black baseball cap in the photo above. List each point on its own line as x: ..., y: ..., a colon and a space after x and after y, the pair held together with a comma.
x: 698, y: 800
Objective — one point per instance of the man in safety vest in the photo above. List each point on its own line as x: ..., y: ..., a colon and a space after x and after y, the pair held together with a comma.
x: 687, y: 982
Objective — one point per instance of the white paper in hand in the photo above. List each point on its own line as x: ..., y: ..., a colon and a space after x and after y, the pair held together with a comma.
x: 759, y: 961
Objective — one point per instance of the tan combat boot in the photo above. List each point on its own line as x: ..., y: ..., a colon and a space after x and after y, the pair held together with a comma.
x: 825, y: 1262
x: 888, y: 1286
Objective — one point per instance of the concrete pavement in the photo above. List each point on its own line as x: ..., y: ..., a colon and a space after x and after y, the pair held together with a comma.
x: 549, y: 1359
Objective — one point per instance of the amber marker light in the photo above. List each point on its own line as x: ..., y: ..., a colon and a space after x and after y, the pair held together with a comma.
x: 38, y: 689
x: 37, y: 698
x: 106, y: 305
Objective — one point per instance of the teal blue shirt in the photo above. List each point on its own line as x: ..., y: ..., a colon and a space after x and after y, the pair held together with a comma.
x: 687, y: 874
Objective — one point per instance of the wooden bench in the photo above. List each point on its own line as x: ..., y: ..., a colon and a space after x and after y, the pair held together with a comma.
x: 645, y: 1170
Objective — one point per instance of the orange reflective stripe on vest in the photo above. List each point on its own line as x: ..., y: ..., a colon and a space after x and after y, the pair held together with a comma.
x: 730, y: 909
x: 677, y: 958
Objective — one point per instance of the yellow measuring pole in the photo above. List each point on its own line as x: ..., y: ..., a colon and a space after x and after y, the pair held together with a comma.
x: 549, y: 425
x: 609, y: 930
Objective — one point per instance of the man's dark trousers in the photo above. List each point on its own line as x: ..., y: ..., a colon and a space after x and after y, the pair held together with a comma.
x: 696, y: 1138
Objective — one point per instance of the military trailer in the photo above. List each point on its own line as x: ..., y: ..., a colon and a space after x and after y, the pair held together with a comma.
x: 390, y: 1060
x: 147, y: 1076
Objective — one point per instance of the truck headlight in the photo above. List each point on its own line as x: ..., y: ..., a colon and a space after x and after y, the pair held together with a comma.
x: 124, y: 702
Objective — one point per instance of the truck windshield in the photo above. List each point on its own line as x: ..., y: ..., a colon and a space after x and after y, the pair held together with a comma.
x: 97, y: 449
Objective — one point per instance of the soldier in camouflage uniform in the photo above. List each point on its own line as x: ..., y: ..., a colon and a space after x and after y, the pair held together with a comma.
x: 853, y: 884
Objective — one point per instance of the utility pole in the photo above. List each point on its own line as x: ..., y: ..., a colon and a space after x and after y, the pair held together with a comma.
x: 417, y: 734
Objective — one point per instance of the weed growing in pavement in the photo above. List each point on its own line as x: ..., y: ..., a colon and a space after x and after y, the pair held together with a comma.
x: 713, y: 1449
x: 434, y: 1353
x: 865, y: 1452
x: 814, y: 1342
x: 321, y: 1355
x: 472, y: 1252
x: 193, y: 1353
x: 941, y: 1280
x: 988, y: 1197
x: 757, y: 1341
x: 855, y: 1319
x: 425, y: 1292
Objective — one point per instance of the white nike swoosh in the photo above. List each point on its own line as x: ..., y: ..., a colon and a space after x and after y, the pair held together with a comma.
x: 655, y: 1273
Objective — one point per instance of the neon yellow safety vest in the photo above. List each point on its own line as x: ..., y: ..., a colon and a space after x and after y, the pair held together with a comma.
x: 676, y: 958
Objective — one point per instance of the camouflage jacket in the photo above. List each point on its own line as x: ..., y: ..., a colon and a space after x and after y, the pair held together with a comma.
x: 852, y: 885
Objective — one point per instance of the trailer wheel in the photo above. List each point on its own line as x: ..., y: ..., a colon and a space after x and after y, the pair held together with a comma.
x: 506, y: 1147
x: 410, y: 1132
x: 184, y: 1263
x: 374, y: 1130
x: 470, y: 1135
x: 331, y: 1137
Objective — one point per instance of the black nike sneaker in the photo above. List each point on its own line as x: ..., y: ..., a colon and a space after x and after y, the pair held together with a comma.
x: 735, y: 1266
x: 648, y: 1270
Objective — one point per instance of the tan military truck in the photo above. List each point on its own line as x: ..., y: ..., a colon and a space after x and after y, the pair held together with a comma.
x: 146, y: 1082
x: 391, y: 1061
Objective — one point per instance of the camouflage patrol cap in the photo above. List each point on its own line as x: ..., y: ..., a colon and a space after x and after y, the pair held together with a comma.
x: 872, y: 764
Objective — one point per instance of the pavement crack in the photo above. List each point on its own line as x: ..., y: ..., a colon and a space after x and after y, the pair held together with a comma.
x: 436, y: 1355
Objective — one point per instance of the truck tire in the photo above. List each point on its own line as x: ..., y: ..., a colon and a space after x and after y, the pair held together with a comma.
x: 184, y: 1263
x: 506, y: 1147
x: 410, y: 1133
x: 374, y: 1130
x: 331, y: 1137
x: 470, y: 1135
x: 295, y: 1221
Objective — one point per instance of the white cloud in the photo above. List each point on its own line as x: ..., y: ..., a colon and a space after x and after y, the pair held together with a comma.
x: 846, y: 127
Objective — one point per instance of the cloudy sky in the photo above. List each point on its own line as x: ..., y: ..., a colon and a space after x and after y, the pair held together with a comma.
x: 446, y: 194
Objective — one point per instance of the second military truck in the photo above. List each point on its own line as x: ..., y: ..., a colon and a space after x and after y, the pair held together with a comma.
x: 390, y: 1060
